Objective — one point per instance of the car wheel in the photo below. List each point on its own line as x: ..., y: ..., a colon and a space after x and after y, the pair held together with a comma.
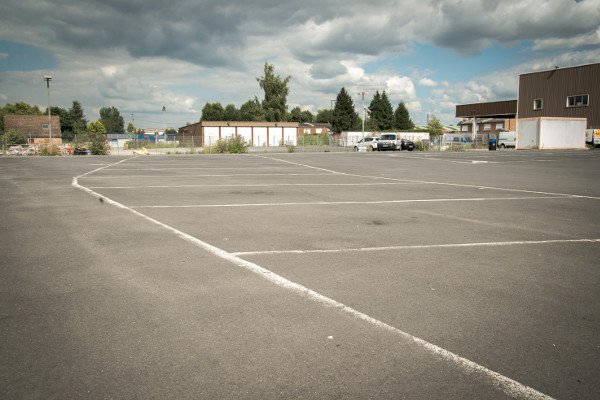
x: 355, y: 148
x: 370, y: 148
x: 502, y: 146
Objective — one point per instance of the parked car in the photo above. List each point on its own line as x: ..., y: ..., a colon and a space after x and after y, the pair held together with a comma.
x: 406, y: 144
x: 77, y: 151
x: 367, y: 144
x: 388, y: 141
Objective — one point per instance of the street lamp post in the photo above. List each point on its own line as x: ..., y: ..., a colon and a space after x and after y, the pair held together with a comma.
x: 48, y: 78
x: 364, y: 113
x: 164, y: 124
x: 331, y: 114
x: 474, y: 129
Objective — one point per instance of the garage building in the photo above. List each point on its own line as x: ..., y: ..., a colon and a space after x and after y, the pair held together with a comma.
x: 206, y: 133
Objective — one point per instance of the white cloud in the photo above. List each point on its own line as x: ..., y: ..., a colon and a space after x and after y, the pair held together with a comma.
x: 427, y: 82
x: 401, y: 87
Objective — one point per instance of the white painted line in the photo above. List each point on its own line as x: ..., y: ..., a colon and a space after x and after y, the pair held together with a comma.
x: 416, y: 247
x: 252, y: 185
x: 198, y: 168
x: 194, y: 176
x: 509, y: 386
x: 452, y: 161
x: 439, y: 183
x: 330, y: 203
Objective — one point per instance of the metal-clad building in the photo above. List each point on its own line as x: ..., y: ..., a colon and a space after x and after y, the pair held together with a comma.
x: 495, y: 109
x: 572, y: 92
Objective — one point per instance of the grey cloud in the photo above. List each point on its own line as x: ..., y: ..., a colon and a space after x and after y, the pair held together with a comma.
x: 327, y: 70
x: 470, y: 27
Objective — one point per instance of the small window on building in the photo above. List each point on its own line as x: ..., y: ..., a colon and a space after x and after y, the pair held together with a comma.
x: 487, y: 127
x: 581, y: 100
x: 44, y: 126
x: 499, y: 125
x: 538, y: 104
x: 464, y: 128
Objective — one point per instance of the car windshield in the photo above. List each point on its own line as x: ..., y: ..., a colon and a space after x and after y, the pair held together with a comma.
x: 368, y: 139
x: 387, y: 137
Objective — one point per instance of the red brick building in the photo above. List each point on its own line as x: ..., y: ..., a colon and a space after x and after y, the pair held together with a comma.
x: 34, y: 127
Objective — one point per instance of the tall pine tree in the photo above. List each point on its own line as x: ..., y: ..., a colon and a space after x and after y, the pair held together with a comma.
x: 344, y: 114
x: 402, y: 119
x: 381, y: 112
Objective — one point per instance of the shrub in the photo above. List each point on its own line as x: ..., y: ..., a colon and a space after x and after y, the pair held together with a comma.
x: 422, y: 146
x: 12, y: 136
x: 97, y: 136
x: 49, y: 150
x: 233, y: 145
x: 314, y: 140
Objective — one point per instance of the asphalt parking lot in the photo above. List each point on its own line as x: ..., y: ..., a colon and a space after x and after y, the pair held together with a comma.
x: 462, y: 275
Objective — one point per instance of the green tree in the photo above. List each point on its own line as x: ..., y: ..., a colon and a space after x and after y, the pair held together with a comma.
x: 357, y: 124
x: 252, y: 111
x: 231, y: 113
x: 295, y: 115
x: 112, y: 120
x: 307, y: 116
x: 20, y: 108
x: 66, y: 122
x: 130, y: 127
x: 97, y: 136
x: 77, y: 112
x: 13, y: 136
x: 402, y: 119
x: 276, y: 91
x: 323, y: 116
x: 381, y: 112
x: 213, y: 112
x: 344, y: 114
x: 434, y: 126
x: 77, y: 119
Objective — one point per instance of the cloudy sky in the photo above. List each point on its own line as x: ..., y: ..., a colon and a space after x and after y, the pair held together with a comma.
x: 141, y: 55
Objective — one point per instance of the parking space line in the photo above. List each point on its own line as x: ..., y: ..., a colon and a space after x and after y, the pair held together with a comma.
x: 252, y: 185
x: 196, y: 168
x: 338, y: 203
x: 195, y: 176
x: 439, y: 183
x: 417, y: 247
x: 507, y: 385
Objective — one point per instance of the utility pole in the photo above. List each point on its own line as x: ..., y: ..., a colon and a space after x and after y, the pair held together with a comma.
x: 364, y: 113
x: 164, y: 125
x: 48, y: 78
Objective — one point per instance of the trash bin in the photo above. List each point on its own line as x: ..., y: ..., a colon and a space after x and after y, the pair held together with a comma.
x: 492, y: 144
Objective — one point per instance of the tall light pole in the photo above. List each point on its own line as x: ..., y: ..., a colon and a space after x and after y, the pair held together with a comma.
x: 164, y: 125
x: 48, y: 78
x: 331, y: 115
x: 364, y: 113
x: 134, y: 133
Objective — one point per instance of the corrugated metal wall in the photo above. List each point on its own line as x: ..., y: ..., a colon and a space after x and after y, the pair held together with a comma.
x: 554, y: 86
x: 493, y: 109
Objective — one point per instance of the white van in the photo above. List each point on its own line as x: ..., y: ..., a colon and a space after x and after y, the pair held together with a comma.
x: 507, y: 139
x: 592, y: 137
